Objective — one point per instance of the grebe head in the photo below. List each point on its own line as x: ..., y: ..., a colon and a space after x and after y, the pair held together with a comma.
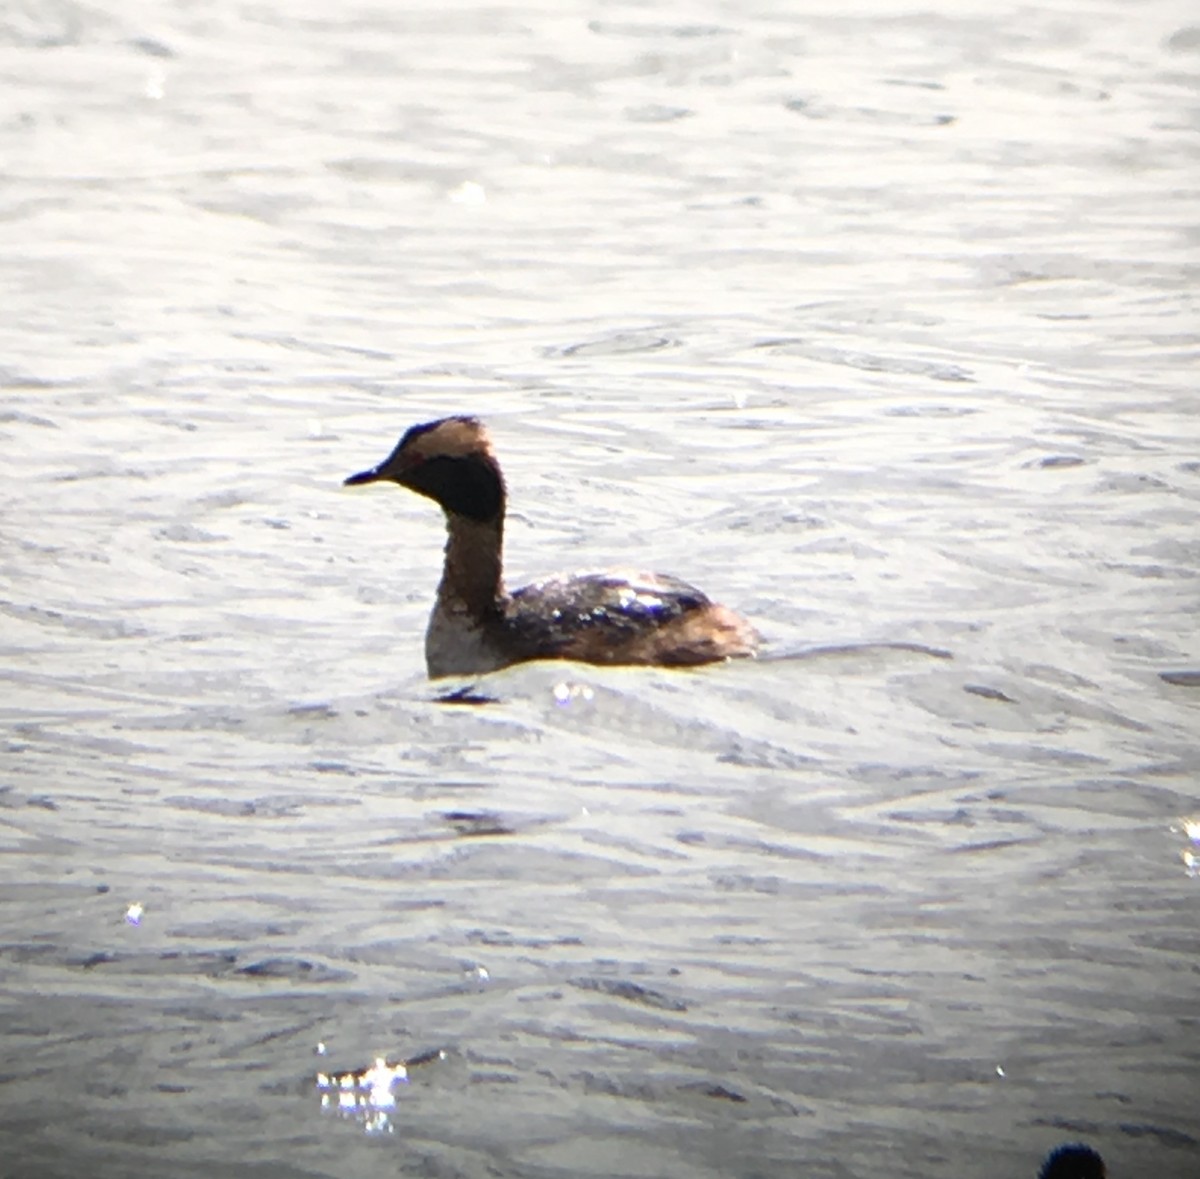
x: 451, y: 462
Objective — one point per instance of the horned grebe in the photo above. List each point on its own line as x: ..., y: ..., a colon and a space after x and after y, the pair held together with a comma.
x: 476, y: 626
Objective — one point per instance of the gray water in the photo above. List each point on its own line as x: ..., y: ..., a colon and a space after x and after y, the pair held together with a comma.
x: 880, y: 326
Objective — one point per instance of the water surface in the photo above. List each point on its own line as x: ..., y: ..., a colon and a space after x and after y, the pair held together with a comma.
x: 880, y: 326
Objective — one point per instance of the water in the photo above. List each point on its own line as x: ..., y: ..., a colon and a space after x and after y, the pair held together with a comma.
x: 879, y: 326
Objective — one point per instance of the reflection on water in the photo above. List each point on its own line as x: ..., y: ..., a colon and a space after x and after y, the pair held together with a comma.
x: 369, y: 1096
x: 366, y: 1096
x: 1191, y: 853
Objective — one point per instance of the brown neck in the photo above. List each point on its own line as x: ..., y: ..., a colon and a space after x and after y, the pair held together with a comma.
x: 472, y: 574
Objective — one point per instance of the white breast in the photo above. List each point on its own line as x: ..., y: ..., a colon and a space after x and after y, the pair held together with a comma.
x: 455, y: 645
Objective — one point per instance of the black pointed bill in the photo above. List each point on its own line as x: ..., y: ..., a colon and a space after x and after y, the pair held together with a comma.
x: 371, y: 476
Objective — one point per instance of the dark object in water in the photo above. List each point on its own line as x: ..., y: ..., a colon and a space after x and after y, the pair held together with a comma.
x: 1073, y: 1161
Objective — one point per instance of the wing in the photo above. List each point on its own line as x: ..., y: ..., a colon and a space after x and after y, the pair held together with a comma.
x: 599, y: 616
